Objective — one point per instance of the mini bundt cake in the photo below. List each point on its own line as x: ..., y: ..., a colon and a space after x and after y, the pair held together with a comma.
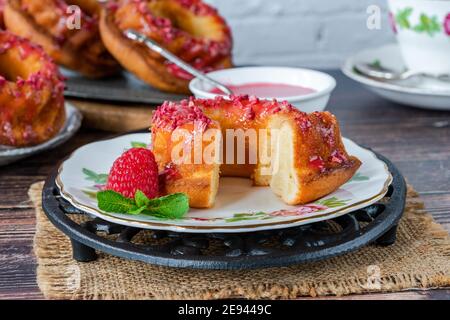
x: 301, y: 156
x: 31, y: 93
x: 52, y: 24
x: 190, y: 29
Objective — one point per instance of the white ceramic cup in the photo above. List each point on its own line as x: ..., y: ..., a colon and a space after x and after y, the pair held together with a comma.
x: 322, y: 83
x: 423, y: 33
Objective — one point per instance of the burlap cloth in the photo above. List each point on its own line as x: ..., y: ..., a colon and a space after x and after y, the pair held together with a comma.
x: 419, y: 259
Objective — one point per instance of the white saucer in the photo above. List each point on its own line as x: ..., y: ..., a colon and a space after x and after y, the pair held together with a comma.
x: 73, y: 123
x: 417, y: 92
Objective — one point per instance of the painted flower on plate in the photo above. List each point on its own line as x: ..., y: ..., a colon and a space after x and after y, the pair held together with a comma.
x: 447, y: 24
x: 309, y: 208
x: 392, y: 22
x: 201, y: 219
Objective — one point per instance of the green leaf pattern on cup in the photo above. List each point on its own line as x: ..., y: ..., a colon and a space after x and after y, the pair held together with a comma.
x: 402, y: 18
x: 430, y: 25
x: 427, y: 24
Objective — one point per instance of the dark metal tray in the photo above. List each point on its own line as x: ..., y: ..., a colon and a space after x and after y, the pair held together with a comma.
x: 123, y: 88
x: 373, y: 225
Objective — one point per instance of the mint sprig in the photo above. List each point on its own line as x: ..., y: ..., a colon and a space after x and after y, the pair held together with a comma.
x: 174, y: 206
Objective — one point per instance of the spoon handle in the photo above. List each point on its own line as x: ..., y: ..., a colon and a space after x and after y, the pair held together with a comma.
x: 410, y: 74
x: 137, y: 36
x: 386, y: 74
x: 444, y: 77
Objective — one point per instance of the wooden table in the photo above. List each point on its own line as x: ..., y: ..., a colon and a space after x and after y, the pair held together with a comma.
x: 417, y: 141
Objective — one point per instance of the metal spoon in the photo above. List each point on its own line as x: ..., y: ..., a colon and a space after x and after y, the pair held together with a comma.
x: 382, y: 73
x: 139, y: 37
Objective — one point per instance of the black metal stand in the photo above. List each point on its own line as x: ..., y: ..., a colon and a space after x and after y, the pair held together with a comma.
x: 375, y: 224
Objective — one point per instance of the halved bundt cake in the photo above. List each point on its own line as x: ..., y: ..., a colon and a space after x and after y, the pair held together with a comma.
x: 301, y: 156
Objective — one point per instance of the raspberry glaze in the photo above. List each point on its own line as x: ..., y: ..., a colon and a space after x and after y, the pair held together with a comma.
x: 267, y: 90
x: 171, y: 115
x: 248, y: 112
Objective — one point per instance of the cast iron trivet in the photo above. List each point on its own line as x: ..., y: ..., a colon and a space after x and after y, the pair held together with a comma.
x: 375, y: 224
x: 123, y: 88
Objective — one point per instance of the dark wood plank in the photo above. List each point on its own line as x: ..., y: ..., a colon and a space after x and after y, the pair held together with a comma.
x: 417, y: 141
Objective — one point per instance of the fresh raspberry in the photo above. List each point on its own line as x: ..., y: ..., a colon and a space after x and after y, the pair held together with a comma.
x: 135, y: 170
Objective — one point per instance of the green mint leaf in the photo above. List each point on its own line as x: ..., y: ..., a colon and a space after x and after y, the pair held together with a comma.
x: 173, y: 206
x: 137, y: 210
x: 136, y: 144
x: 113, y: 202
x: 99, y: 178
x: 141, y: 199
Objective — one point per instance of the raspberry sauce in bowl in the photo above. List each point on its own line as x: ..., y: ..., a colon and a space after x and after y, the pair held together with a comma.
x: 307, y: 90
x: 267, y: 90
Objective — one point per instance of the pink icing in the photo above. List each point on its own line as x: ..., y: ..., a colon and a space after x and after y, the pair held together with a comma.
x: 48, y: 74
x: 171, y: 172
x: 171, y: 115
x: 249, y: 108
x: 198, y: 7
x: 317, y: 162
x: 338, y: 157
x: 302, y: 120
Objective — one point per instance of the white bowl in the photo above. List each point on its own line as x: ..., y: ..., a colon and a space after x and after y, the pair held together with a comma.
x: 423, y: 32
x: 322, y: 83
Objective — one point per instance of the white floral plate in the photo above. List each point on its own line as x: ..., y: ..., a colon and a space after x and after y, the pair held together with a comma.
x: 73, y: 122
x: 239, y: 207
x: 419, y: 92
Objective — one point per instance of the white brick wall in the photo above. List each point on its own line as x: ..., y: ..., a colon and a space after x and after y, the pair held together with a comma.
x: 313, y: 33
